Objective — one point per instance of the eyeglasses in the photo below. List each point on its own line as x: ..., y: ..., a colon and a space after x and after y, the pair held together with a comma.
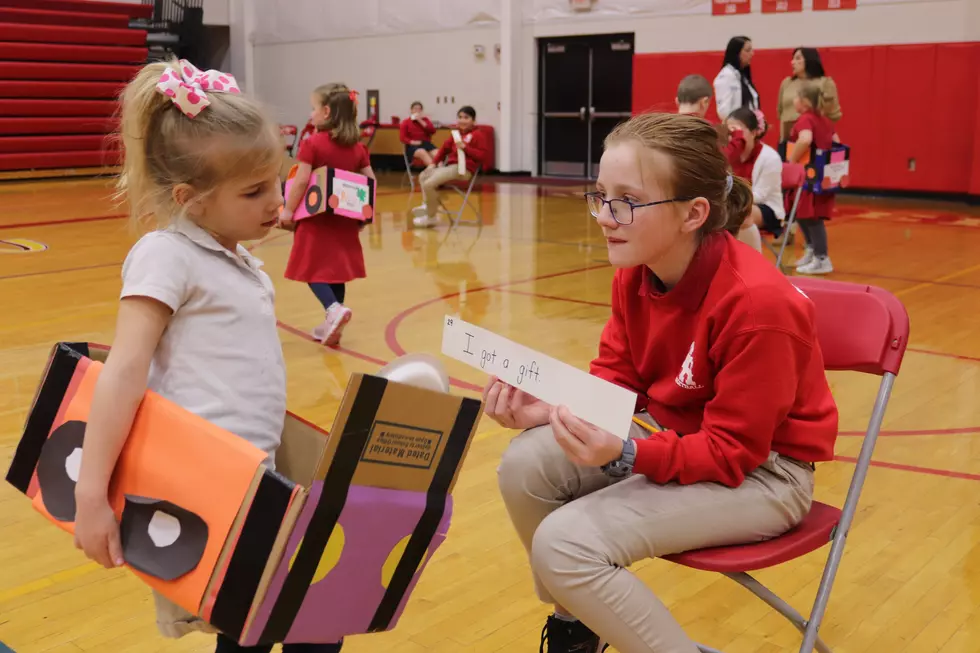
x: 622, y: 210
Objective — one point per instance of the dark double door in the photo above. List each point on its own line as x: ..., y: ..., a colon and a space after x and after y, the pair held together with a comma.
x: 585, y: 89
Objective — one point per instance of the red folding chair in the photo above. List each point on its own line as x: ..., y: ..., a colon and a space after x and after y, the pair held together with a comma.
x: 861, y: 329
x: 794, y: 175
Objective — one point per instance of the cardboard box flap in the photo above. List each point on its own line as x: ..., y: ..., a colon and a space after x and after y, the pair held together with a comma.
x: 405, y: 436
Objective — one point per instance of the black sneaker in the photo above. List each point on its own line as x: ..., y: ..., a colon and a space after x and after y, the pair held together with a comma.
x: 569, y: 637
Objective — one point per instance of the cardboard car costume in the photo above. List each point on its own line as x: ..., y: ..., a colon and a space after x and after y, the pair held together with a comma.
x: 331, y: 544
x: 340, y: 192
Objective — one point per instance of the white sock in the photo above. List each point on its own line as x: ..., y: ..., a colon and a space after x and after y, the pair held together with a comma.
x: 565, y: 617
x: 751, y: 237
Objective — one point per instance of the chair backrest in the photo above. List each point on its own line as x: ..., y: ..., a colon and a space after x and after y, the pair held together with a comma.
x: 793, y: 175
x: 861, y: 328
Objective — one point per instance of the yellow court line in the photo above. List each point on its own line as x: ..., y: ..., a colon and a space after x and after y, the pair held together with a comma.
x: 48, y: 581
x: 946, y: 277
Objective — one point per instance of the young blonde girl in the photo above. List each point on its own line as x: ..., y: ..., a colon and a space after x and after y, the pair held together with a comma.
x: 811, y: 129
x: 719, y: 348
x: 196, y: 320
x: 327, y: 250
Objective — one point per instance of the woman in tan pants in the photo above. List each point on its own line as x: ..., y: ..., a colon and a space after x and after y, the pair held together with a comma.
x: 733, y: 404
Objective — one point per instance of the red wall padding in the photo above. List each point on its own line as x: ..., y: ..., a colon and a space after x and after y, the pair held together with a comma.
x: 69, y: 34
x: 32, y: 70
x: 78, y: 53
x: 43, y: 17
x: 904, y: 106
x: 84, y: 6
x: 61, y: 90
x: 57, y: 160
x: 30, y: 144
x: 70, y: 125
x: 59, y: 107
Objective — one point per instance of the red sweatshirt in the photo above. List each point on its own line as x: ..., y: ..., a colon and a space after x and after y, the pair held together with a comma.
x: 476, y: 149
x: 416, y: 130
x: 733, y: 152
x: 727, y: 362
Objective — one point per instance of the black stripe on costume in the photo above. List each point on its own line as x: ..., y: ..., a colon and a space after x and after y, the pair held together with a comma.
x: 51, y: 394
x: 336, y: 484
x: 435, y: 506
x: 252, y: 553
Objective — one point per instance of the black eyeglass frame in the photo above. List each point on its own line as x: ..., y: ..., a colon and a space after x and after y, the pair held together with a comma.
x: 633, y: 207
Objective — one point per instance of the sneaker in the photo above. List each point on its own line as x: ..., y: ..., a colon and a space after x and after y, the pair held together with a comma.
x: 329, y: 332
x: 806, y: 260
x: 819, y: 265
x: 425, y: 221
x: 420, y: 211
x: 569, y: 637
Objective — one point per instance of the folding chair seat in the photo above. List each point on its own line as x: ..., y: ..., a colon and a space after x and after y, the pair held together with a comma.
x: 862, y: 329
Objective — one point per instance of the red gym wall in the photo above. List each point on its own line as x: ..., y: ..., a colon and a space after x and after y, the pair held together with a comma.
x: 900, y: 102
x: 62, y: 62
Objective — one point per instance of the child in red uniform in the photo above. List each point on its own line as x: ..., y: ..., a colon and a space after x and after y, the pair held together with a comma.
x: 415, y: 134
x: 474, y: 146
x: 812, y: 128
x: 722, y: 352
x: 327, y: 250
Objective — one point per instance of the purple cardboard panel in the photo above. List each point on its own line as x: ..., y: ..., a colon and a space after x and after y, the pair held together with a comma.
x: 374, y: 527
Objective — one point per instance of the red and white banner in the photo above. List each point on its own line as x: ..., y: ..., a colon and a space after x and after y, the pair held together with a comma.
x: 781, y: 6
x: 730, y: 7
x: 833, y: 5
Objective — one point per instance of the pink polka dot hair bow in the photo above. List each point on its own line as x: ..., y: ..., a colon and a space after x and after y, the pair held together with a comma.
x: 189, y: 88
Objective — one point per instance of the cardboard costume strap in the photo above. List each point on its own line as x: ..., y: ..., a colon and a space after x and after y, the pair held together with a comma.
x: 331, y: 546
x: 337, y: 192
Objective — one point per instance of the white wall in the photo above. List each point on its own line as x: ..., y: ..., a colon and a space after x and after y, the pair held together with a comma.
x: 216, y: 12
x: 403, y: 67
x: 421, y: 49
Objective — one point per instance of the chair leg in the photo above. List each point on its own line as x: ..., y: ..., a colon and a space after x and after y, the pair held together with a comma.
x: 780, y: 606
x: 791, y: 220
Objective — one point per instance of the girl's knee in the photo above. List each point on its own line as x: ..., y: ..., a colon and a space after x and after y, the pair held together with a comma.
x: 525, y: 455
x: 562, y: 549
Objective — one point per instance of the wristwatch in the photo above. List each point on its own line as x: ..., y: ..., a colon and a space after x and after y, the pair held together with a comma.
x: 624, y: 465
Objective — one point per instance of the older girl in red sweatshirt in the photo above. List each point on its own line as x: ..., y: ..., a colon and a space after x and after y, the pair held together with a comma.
x: 722, y: 352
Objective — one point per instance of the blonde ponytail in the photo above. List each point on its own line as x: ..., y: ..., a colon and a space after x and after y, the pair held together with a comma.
x: 162, y: 147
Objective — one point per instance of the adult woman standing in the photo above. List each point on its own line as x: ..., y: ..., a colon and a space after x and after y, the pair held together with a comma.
x: 806, y: 66
x: 733, y: 84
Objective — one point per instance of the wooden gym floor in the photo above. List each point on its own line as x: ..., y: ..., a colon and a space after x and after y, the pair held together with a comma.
x: 536, y: 272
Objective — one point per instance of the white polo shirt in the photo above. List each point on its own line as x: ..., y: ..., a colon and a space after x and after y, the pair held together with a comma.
x: 220, y: 356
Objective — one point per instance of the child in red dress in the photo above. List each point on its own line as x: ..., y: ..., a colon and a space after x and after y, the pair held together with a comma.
x: 812, y: 128
x: 327, y: 250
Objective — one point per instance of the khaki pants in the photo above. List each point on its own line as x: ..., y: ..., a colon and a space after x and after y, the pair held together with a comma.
x: 431, y: 179
x: 582, y: 529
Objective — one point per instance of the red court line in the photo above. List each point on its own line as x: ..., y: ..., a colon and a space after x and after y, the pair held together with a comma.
x: 48, y: 223
x: 391, y: 330
x: 929, y: 352
x: 914, y: 468
x: 562, y: 299
x: 43, y: 272
x: 364, y: 357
